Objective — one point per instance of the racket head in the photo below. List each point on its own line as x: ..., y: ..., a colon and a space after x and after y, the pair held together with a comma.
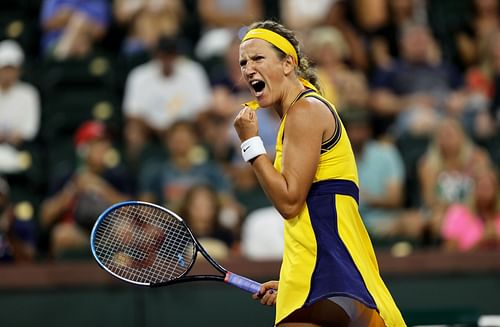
x: 143, y: 243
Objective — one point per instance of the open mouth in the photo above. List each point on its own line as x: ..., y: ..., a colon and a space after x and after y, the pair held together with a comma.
x: 258, y: 86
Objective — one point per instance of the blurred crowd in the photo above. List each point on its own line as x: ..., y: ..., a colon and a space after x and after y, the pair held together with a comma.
x: 109, y: 100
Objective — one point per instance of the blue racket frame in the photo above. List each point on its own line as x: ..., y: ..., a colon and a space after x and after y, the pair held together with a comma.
x: 228, y: 277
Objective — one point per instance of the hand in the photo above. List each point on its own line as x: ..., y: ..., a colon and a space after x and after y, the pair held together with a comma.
x: 268, y: 292
x: 90, y: 182
x: 246, y: 124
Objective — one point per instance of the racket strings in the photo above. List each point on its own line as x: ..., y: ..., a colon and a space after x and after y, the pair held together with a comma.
x: 144, y: 244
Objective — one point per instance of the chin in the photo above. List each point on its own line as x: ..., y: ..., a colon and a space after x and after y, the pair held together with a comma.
x: 264, y: 103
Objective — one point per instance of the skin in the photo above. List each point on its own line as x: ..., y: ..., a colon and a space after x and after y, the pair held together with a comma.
x: 308, y: 124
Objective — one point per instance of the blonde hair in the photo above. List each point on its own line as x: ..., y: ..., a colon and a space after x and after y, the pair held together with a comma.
x: 330, y: 37
x: 433, y: 153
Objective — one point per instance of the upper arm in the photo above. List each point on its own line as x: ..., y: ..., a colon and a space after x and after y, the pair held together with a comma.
x: 304, y: 130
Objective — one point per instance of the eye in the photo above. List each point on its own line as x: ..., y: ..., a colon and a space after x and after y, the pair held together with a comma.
x: 243, y: 62
x: 258, y: 58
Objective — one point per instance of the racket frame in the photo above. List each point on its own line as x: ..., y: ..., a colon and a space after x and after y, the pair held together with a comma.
x: 227, y: 277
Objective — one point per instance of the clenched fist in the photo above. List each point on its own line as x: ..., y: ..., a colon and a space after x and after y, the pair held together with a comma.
x: 246, y: 124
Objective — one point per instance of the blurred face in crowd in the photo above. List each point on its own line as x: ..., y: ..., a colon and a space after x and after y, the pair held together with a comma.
x: 359, y: 133
x: 450, y: 137
x: 166, y: 60
x: 8, y: 76
x: 97, y: 153
x: 202, y: 210
x: 416, y: 44
x: 180, y: 140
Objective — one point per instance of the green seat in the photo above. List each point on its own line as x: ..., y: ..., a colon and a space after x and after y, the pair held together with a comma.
x: 16, y: 25
x: 83, y: 254
x: 93, y: 72
x: 62, y: 114
x: 30, y: 181
x: 449, y: 317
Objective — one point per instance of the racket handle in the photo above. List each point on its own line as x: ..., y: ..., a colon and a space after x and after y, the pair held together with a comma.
x: 243, y: 283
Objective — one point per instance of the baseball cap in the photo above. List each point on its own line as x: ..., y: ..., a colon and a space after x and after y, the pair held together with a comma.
x: 11, y: 54
x: 89, y: 131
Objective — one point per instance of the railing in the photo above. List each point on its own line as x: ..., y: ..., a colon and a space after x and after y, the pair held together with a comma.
x: 64, y: 274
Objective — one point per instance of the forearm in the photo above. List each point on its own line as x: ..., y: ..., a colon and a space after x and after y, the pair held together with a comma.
x: 277, y: 188
x: 384, y: 201
x: 54, y: 207
x: 392, y: 198
x: 114, y: 196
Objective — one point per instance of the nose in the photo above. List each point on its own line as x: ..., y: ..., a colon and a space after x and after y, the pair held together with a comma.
x: 249, y: 70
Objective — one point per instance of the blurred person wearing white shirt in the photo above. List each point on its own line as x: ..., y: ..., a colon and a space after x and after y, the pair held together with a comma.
x: 162, y: 91
x: 19, y: 107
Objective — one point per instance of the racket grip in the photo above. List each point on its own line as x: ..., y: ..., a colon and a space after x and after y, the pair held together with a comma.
x: 243, y: 283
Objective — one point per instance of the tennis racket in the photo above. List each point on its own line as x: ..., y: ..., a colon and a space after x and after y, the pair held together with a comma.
x: 145, y: 244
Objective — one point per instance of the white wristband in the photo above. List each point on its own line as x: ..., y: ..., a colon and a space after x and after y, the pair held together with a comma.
x: 252, y: 148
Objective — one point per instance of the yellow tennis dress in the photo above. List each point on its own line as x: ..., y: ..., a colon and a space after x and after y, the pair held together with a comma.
x: 327, y: 249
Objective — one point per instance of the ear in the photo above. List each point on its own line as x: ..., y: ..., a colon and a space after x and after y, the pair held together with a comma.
x: 288, y: 65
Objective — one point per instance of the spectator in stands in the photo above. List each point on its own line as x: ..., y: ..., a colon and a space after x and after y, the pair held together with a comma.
x: 201, y: 209
x: 476, y: 224
x: 72, y: 27
x: 80, y: 196
x: 229, y: 90
x: 342, y: 85
x: 381, y: 178
x: 384, y: 38
x: 146, y: 21
x: 480, y: 83
x: 17, y: 236
x: 338, y: 17
x: 447, y: 168
x: 414, y: 90
x: 216, y: 138
x: 220, y: 21
x: 167, y: 181
x: 470, y: 37
x: 19, y: 107
x: 303, y: 16
x: 157, y: 94
x: 262, y: 235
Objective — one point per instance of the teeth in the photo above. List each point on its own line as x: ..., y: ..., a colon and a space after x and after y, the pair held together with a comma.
x: 254, y: 82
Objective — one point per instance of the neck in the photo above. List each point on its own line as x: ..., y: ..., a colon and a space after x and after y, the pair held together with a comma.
x: 291, y: 92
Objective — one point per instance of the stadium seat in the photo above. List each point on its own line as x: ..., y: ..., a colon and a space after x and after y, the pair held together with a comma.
x: 93, y: 72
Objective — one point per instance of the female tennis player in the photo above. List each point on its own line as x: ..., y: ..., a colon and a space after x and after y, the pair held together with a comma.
x: 329, y: 274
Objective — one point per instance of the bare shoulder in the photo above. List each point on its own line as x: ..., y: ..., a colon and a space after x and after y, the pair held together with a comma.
x: 310, y: 113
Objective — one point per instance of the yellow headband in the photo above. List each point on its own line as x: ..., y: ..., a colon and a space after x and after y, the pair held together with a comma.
x: 281, y: 43
x: 275, y: 39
